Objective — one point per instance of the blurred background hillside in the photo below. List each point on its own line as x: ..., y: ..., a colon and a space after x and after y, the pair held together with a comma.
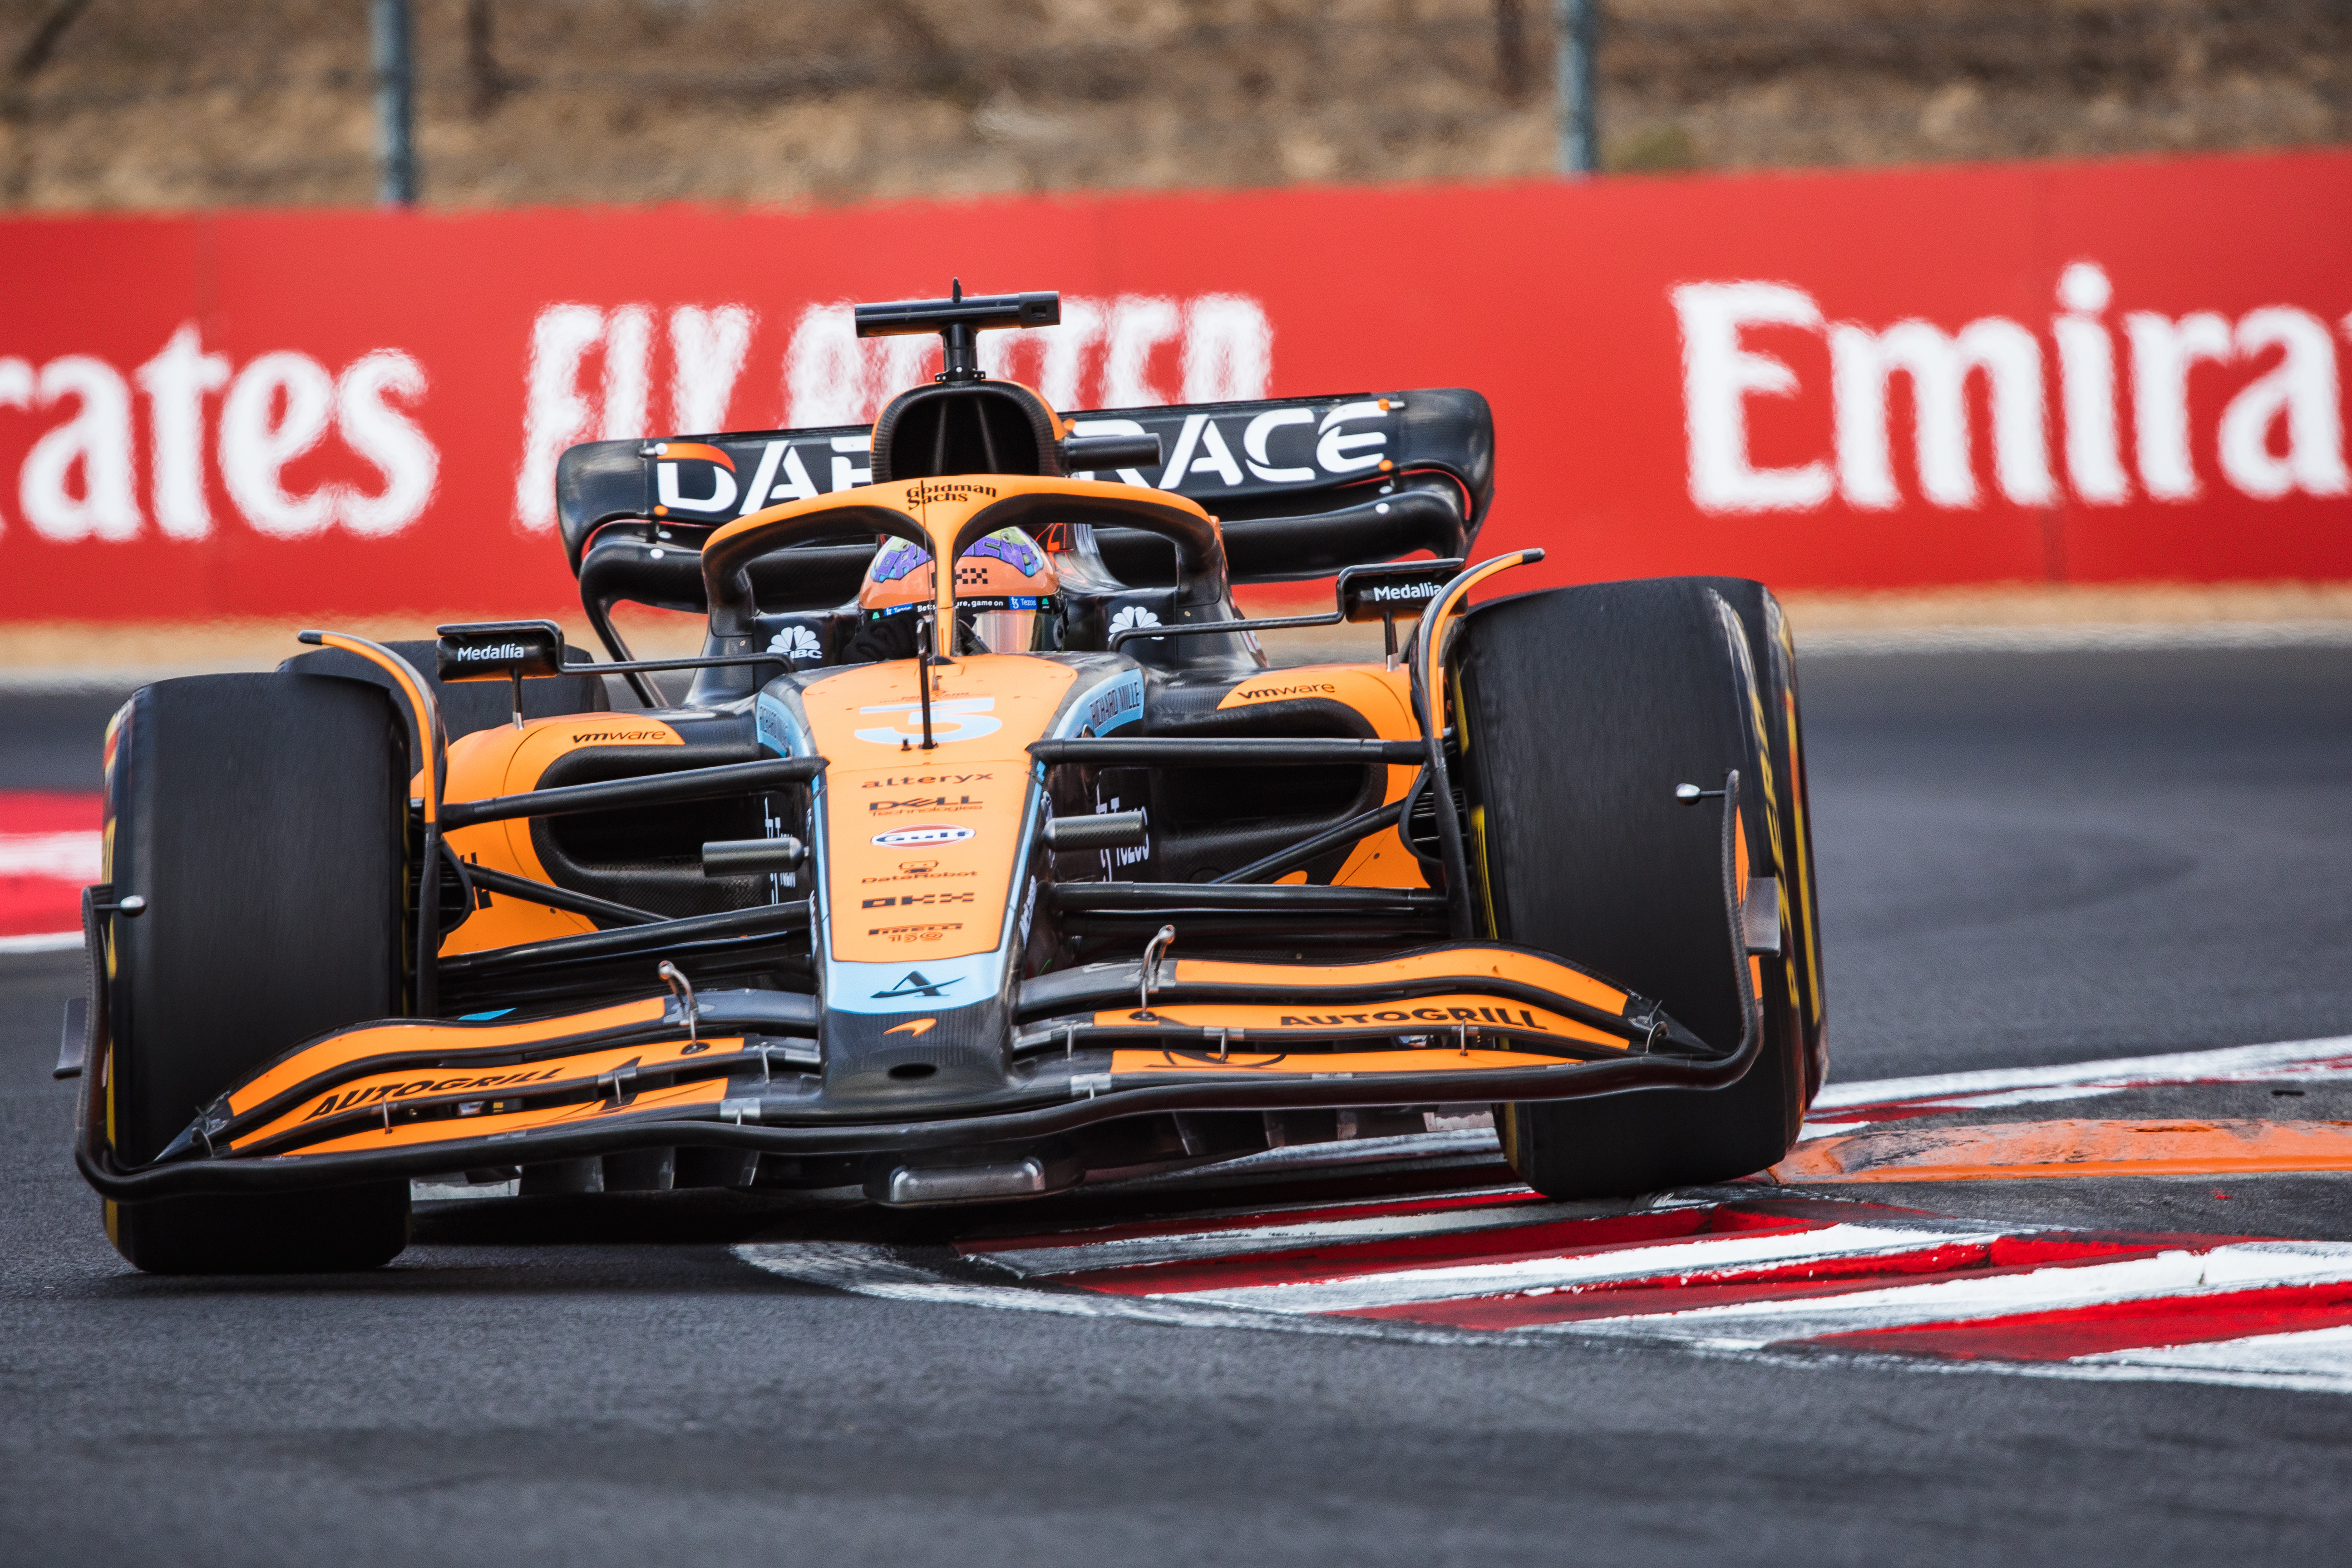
x: 190, y: 103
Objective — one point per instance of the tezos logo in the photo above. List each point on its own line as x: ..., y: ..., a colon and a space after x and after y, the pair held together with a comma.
x: 908, y: 838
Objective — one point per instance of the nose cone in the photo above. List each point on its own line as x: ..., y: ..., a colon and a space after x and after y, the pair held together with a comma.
x: 953, y: 1056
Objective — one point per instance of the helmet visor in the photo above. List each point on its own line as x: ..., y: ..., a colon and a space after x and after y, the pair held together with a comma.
x: 1005, y: 630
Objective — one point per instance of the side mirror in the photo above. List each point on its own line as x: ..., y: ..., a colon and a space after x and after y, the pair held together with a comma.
x: 1397, y: 588
x: 499, y: 650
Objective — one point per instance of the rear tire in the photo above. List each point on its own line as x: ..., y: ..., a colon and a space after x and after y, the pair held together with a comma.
x: 1584, y: 708
x: 263, y: 817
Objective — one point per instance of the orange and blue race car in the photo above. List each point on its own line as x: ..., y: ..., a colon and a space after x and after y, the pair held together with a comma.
x: 982, y: 854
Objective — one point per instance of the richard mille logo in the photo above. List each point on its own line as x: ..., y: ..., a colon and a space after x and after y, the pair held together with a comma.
x: 914, y: 984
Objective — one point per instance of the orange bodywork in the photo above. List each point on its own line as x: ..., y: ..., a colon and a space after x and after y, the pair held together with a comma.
x: 1336, y: 1064
x: 1489, y: 1014
x: 537, y: 1077
x: 922, y: 845
x: 1385, y: 696
x: 1448, y: 963
x: 508, y: 761
x: 653, y: 1104
x: 339, y: 1051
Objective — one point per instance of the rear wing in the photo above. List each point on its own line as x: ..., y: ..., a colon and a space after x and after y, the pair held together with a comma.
x: 1304, y: 486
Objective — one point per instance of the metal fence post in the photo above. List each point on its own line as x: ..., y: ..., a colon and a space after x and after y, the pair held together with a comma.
x: 1576, y: 26
x: 395, y: 146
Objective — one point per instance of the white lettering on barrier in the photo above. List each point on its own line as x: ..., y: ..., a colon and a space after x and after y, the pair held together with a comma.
x: 176, y: 382
x: 1228, y: 349
x: 78, y: 482
x: 96, y: 441
x: 554, y: 414
x: 2162, y: 353
x: 1719, y: 375
x: 1939, y: 365
x: 1139, y: 324
x: 397, y: 447
x: 707, y: 350
x: 2300, y: 393
x: 278, y: 408
x: 2281, y: 433
x: 2086, y: 374
x: 629, y: 374
x: 1103, y: 353
x: 16, y: 383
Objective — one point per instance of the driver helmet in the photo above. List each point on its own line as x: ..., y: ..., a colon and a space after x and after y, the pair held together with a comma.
x: 1005, y: 589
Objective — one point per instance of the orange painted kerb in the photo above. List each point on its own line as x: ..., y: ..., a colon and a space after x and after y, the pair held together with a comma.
x: 2018, y: 1149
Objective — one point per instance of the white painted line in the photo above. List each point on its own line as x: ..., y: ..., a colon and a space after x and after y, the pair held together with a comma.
x: 1667, y: 1263
x: 1130, y: 1252
x: 868, y: 1271
x: 43, y: 941
x: 2287, y: 1058
x: 2316, y: 1359
x: 77, y: 856
x: 1753, y: 1325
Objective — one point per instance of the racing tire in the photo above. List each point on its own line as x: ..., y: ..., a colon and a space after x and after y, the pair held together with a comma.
x: 263, y: 817
x: 1582, y: 710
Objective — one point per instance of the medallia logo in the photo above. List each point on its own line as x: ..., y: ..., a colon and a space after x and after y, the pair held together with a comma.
x: 931, y: 833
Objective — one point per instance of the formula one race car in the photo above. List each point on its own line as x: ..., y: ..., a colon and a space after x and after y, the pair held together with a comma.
x: 986, y: 854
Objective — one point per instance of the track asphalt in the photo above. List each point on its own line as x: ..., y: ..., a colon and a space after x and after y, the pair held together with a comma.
x: 2027, y: 861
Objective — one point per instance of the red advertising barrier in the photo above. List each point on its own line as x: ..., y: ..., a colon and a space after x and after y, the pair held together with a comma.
x: 2108, y: 371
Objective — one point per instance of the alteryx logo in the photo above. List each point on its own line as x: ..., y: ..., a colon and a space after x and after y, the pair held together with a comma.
x: 930, y: 833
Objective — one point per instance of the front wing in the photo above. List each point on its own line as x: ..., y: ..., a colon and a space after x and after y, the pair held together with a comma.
x: 1458, y: 1023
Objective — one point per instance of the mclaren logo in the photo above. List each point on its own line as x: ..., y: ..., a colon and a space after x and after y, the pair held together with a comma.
x: 913, y: 983
x: 917, y: 1028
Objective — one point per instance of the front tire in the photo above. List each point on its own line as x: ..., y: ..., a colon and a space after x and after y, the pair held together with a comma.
x: 1582, y: 709
x: 263, y: 817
